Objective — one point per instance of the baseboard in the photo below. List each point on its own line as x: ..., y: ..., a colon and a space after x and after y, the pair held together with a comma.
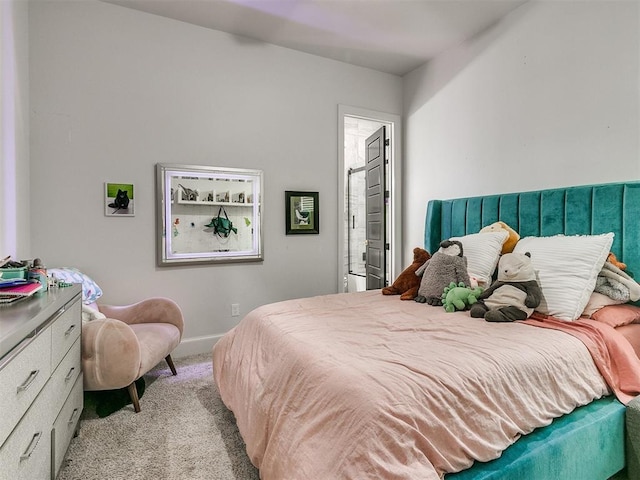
x: 195, y: 345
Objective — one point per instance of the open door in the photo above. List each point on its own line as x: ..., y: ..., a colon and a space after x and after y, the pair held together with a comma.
x: 376, y: 158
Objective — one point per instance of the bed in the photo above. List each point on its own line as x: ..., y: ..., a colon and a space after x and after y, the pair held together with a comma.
x: 365, y: 386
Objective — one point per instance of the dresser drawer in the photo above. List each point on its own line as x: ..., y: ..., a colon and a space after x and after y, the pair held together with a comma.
x: 27, y: 452
x: 64, y: 377
x: 64, y: 331
x: 65, y: 424
x: 22, y: 379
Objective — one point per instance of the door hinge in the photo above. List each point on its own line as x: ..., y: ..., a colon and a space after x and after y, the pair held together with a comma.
x: 386, y: 142
x: 387, y: 194
x: 387, y: 246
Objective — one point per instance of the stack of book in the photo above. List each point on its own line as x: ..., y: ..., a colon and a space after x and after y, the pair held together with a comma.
x: 14, y: 289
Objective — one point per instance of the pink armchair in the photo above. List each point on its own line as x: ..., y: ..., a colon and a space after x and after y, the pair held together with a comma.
x: 121, y: 348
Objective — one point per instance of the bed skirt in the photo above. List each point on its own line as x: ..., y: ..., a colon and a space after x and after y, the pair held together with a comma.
x: 588, y: 444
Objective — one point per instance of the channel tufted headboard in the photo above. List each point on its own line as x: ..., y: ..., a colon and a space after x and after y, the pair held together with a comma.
x: 582, y: 210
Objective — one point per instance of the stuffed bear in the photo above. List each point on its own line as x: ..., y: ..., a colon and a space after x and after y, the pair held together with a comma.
x: 459, y: 297
x: 612, y: 259
x: 407, y: 283
x: 510, y: 243
x: 447, y: 265
x: 515, y: 293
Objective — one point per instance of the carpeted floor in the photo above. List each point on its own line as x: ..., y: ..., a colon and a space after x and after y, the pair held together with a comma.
x: 184, y: 432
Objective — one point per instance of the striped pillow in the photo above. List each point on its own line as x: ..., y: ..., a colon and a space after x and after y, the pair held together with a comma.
x: 567, y: 268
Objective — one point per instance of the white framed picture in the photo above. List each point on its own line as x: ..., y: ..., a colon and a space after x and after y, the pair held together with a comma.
x: 118, y: 200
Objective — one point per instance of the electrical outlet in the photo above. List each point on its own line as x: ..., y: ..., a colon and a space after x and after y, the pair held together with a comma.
x: 235, y: 309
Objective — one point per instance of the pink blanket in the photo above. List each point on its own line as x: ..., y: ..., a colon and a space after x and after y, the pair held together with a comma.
x: 613, y: 354
x: 365, y: 386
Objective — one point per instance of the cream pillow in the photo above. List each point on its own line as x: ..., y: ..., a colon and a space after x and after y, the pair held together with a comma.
x: 567, y: 268
x: 483, y: 252
x: 91, y: 312
x: 596, y: 302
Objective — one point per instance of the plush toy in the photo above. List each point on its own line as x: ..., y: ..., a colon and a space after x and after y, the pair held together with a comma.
x: 512, y: 239
x: 515, y: 293
x: 459, y: 297
x: 612, y: 259
x: 447, y: 265
x: 407, y: 283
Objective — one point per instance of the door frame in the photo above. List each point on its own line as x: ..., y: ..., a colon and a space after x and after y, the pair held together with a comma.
x: 393, y: 122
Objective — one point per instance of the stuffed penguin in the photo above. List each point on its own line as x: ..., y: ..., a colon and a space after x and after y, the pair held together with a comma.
x: 514, y: 295
x: 445, y: 266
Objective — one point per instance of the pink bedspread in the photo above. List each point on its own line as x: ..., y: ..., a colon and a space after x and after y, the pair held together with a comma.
x: 613, y: 354
x: 365, y: 386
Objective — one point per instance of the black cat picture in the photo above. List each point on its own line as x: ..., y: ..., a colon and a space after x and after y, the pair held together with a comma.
x: 121, y: 203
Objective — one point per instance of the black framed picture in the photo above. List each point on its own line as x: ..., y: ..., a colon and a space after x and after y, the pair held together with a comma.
x: 302, y: 213
x: 118, y: 199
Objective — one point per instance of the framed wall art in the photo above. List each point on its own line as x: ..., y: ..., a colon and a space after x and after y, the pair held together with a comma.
x: 118, y: 200
x: 302, y: 213
x: 208, y: 214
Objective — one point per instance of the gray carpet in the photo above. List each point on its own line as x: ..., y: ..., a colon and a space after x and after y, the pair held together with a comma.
x: 184, y: 432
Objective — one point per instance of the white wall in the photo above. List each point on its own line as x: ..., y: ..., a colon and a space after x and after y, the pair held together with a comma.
x: 547, y: 98
x: 14, y: 130
x: 115, y: 91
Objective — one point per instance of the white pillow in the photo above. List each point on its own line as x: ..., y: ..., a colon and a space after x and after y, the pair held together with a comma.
x: 567, y: 268
x: 91, y: 312
x: 91, y: 292
x: 483, y: 252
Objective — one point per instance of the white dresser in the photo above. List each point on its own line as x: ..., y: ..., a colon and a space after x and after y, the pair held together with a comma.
x: 41, y: 393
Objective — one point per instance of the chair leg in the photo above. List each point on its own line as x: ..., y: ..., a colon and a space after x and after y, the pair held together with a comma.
x: 171, y: 365
x: 133, y: 393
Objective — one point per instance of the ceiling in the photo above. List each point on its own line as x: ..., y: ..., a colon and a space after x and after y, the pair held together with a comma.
x: 393, y: 36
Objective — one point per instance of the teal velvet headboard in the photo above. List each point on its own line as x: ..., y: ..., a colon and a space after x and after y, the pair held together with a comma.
x: 589, y: 209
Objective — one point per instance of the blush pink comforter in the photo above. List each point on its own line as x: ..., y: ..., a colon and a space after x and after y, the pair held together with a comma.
x: 614, y: 356
x: 365, y: 386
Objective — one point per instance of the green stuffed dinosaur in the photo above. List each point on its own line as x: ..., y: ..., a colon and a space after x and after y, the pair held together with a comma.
x: 459, y: 296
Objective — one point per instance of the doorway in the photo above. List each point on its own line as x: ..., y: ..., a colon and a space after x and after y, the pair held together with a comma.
x: 355, y: 126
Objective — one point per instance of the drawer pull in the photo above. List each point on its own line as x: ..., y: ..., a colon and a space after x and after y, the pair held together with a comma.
x: 73, y: 416
x: 69, y: 330
x: 27, y: 383
x: 32, y: 446
x: 69, y: 375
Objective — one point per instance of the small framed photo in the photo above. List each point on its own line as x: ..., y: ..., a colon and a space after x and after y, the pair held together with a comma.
x: 118, y: 200
x: 302, y: 213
